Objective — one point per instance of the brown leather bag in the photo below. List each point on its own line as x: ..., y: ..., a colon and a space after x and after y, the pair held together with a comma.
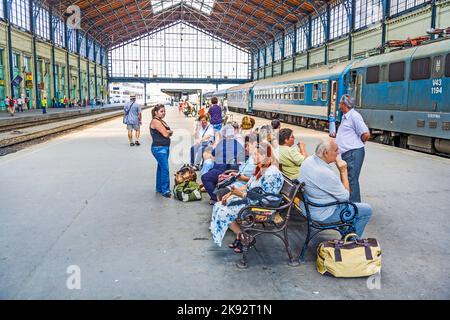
x: 186, y: 173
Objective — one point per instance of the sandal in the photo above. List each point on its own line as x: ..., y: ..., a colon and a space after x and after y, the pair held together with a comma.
x: 240, y: 247
x: 131, y: 144
x: 167, y: 195
x: 235, y: 244
x: 137, y: 143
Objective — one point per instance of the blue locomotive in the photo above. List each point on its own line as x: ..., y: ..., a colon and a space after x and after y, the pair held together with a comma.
x: 404, y: 96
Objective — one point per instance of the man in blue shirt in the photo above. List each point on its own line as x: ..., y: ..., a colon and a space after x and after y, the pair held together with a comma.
x: 323, y: 186
x: 133, y: 119
x: 351, y: 137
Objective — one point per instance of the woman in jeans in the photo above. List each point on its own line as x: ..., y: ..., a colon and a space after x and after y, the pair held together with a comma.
x: 161, y: 133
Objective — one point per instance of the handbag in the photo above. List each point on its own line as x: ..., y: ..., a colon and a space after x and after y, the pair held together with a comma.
x: 258, y: 197
x: 343, y: 258
x: 126, y: 114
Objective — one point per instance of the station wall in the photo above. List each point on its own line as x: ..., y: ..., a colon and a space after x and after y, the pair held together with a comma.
x: 365, y: 42
x: 51, y: 81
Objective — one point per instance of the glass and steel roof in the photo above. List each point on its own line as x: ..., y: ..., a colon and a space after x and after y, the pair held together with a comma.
x: 204, y: 6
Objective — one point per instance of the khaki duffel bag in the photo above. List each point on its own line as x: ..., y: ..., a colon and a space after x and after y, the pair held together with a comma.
x: 343, y: 258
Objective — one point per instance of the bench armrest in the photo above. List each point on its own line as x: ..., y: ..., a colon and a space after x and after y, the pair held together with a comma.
x: 345, y: 214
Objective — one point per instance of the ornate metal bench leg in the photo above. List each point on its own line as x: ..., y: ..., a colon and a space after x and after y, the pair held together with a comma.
x: 292, y: 261
x: 247, y: 240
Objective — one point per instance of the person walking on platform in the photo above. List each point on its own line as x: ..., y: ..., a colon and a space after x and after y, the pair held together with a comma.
x: 215, y: 114
x: 351, y: 137
x: 161, y: 133
x: 133, y: 119
x: 20, y: 104
x: 8, y: 106
x: 44, y: 105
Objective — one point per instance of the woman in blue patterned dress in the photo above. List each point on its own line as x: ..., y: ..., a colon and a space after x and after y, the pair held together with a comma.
x: 266, y: 175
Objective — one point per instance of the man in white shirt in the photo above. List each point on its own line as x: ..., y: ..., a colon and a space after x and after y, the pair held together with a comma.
x: 351, y: 137
x: 204, y: 136
x: 323, y: 186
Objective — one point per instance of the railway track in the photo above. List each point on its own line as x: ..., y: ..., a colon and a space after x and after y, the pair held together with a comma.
x: 25, y: 130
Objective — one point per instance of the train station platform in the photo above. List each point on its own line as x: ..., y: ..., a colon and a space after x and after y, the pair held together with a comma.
x: 87, y: 199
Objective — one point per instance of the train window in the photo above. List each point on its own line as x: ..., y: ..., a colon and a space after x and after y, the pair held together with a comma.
x: 302, y: 92
x: 315, y: 93
x: 397, y: 71
x: 373, y: 74
x: 447, y: 65
x: 384, y: 73
x: 296, y: 93
x: 324, y: 91
x: 438, y: 67
x: 420, y: 69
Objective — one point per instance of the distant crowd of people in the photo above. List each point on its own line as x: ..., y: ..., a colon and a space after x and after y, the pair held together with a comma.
x: 262, y: 157
x: 14, y: 105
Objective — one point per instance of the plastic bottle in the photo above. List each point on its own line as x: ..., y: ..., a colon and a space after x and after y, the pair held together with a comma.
x: 332, y: 125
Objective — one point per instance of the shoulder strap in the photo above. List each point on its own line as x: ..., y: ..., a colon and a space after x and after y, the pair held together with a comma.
x: 206, y: 129
x: 128, y: 111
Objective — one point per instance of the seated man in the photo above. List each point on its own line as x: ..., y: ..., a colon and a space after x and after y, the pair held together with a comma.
x: 323, y: 186
x: 228, y: 154
x: 290, y: 156
x: 204, y: 136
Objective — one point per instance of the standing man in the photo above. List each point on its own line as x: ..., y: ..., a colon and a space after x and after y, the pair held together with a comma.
x: 44, y: 105
x: 133, y: 119
x: 215, y: 114
x: 351, y: 137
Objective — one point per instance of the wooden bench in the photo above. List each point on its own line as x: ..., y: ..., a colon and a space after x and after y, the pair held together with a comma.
x: 256, y: 220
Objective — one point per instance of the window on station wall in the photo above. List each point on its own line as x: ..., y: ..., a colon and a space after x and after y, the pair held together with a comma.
x: 288, y: 44
x: 301, y: 39
x: 2, y: 13
x: 367, y: 12
x: 72, y: 40
x: 398, y: 6
x: 317, y: 33
x: 277, y: 49
x: 20, y: 13
x: 82, y: 45
x: 262, y: 54
x: 269, y: 50
x: 90, y: 49
x: 42, y: 24
x: 255, y: 60
x: 180, y: 50
x: 60, y: 39
x: 338, y: 20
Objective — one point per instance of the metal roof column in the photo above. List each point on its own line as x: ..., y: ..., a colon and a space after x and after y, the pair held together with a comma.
x: 52, y: 41
x: 308, y: 41
x: 433, y: 16
x: 34, y: 12
x: 386, y: 13
x: 327, y: 32
x: 7, y: 10
x: 66, y: 36
x: 351, y: 17
x: 294, y: 48
x: 79, y: 63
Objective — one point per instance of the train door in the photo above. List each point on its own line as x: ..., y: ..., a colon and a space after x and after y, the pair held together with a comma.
x: 332, y: 102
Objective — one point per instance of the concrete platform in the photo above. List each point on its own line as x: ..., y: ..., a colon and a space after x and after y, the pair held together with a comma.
x: 87, y: 199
